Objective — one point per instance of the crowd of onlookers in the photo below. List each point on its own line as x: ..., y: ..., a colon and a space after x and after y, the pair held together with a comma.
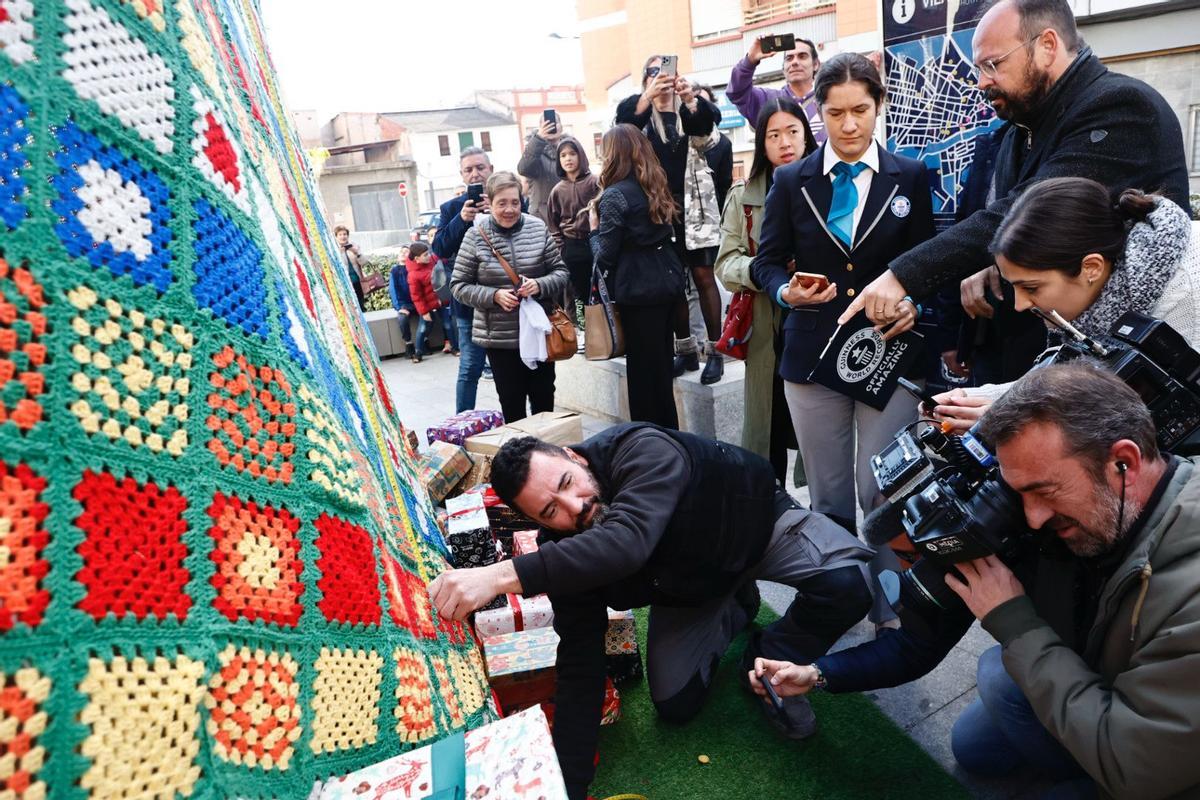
x: 1077, y: 204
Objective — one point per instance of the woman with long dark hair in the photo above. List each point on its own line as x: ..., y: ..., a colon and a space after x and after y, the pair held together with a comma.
x: 673, y: 117
x: 781, y: 136
x: 631, y: 239
x: 844, y: 212
x: 1065, y: 246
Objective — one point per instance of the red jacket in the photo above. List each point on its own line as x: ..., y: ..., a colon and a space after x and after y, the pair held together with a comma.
x: 420, y: 286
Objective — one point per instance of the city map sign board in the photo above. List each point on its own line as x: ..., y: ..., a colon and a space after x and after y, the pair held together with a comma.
x: 935, y: 109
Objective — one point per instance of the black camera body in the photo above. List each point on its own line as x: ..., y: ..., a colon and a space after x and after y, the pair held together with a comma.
x: 956, y: 507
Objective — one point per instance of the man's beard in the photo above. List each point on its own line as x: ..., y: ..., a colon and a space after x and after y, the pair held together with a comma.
x: 1021, y: 107
x: 1100, y: 532
x: 602, y: 510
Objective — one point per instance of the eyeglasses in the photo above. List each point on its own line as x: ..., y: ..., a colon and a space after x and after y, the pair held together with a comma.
x: 991, y: 66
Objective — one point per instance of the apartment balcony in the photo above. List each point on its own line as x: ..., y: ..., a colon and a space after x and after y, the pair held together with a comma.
x: 759, y: 12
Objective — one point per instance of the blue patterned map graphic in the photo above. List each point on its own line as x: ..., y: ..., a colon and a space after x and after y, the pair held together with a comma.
x: 936, y: 111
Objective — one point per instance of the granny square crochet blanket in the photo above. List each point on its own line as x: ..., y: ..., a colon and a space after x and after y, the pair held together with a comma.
x: 214, y: 550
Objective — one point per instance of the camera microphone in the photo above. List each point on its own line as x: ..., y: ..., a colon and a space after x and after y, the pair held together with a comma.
x: 883, y: 524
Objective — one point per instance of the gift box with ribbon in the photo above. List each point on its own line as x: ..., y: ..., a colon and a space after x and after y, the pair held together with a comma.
x: 443, y: 466
x: 524, y: 542
x: 468, y: 533
x: 517, y: 614
x: 512, y: 758
x: 554, y: 427
x: 460, y: 427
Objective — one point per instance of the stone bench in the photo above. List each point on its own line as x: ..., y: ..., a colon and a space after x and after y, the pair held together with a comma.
x: 598, y: 388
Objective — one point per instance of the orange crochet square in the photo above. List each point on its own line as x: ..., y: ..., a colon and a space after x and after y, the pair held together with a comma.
x: 408, y: 599
x: 144, y: 723
x: 22, y: 353
x: 133, y: 551
x: 252, y: 417
x: 22, y: 723
x: 23, y: 539
x: 257, y: 558
x: 414, y: 708
x: 254, y: 717
x: 345, y: 700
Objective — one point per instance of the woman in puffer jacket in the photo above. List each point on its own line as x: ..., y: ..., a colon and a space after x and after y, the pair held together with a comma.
x: 482, y: 283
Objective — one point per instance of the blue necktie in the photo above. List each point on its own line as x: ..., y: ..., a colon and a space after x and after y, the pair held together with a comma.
x: 845, y: 200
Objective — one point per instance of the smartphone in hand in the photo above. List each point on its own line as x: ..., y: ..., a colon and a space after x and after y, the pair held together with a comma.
x: 670, y: 66
x: 475, y: 192
x: 778, y: 43
x: 927, y: 400
x: 808, y: 279
x: 551, y: 118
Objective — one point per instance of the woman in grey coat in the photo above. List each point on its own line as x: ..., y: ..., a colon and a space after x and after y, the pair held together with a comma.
x: 482, y: 283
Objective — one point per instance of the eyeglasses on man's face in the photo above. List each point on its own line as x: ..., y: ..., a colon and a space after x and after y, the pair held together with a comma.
x: 991, y: 66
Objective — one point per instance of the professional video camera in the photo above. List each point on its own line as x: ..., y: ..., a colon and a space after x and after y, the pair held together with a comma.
x: 954, y: 505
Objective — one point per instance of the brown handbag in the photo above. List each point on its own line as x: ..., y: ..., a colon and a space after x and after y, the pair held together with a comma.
x: 605, y: 337
x: 561, y: 342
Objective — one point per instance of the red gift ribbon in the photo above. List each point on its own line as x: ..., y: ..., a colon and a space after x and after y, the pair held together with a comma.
x: 518, y: 618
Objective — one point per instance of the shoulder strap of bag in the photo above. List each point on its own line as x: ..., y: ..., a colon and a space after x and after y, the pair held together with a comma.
x: 512, y: 274
x: 749, y: 227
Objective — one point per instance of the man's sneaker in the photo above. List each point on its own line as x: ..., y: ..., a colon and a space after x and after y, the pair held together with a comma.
x: 487, y: 373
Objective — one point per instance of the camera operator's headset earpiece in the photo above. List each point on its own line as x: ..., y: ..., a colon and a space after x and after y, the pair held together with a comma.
x: 1121, y: 467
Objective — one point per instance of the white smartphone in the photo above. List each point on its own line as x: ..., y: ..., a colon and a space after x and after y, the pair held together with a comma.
x: 670, y: 66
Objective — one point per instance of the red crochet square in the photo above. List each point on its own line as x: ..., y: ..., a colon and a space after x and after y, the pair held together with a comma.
x: 408, y: 599
x: 258, y: 561
x: 23, y: 537
x: 252, y: 417
x: 22, y: 349
x: 133, y: 548
x: 349, y: 583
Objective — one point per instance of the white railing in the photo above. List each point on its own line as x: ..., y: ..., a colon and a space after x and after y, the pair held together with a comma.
x: 781, y: 8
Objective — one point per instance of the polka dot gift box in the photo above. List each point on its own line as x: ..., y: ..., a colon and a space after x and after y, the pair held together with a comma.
x: 214, y: 547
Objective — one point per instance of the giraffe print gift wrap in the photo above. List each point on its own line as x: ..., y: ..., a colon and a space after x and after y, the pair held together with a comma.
x: 213, y: 548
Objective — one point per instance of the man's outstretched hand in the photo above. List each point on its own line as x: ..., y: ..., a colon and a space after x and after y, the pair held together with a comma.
x: 458, y: 592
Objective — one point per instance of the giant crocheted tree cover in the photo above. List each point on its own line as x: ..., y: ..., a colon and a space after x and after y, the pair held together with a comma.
x: 213, y: 546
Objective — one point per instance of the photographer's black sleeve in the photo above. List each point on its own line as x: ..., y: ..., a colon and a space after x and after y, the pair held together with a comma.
x: 895, y: 658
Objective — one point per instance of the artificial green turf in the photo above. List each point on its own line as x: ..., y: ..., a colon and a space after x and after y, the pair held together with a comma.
x: 857, y: 753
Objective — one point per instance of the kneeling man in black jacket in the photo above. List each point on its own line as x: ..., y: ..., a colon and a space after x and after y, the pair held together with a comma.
x: 644, y: 516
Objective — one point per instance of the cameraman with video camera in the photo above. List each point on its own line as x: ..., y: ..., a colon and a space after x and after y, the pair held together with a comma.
x: 1098, y: 615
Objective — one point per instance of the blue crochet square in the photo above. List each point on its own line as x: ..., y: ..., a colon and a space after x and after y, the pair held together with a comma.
x: 112, y: 210
x: 295, y: 337
x: 13, y: 114
x: 230, y: 280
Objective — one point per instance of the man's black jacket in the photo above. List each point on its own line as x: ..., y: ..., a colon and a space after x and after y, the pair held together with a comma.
x: 686, y: 516
x: 1094, y: 124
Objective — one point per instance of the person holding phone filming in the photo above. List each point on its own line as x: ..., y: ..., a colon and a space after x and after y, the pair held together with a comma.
x: 800, y: 67
x: 842, y: 213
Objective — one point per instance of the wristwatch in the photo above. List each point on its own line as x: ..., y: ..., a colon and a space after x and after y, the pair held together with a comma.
x: 820, y: 682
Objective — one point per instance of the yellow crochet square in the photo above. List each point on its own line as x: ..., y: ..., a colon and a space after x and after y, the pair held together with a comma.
x: 254, y: 717
x: 144, y: 718
x: 130, y: 373
x: 468, y: 676
x: 346, y: 699
x: 22, y: 723
x: 327, y: 450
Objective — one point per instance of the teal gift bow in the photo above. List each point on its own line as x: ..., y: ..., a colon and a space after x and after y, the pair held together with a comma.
x: 845, y: 199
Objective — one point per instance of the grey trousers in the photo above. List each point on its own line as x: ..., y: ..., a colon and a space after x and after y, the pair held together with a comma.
x: 837, y: 437
x: 807, y: 551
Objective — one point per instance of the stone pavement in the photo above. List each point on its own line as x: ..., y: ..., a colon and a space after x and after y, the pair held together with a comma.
x: 424, y: 394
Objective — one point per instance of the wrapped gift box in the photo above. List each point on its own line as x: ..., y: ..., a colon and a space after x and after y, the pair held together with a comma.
x: 461, y: 427
x: 524, y: 542
x: 517, y: 614
x: 512, y: 759
x: 467, y: 532
x: 555, y: 427
x: 443, y: 466
x: 520, y: 666
x: 621, y: 647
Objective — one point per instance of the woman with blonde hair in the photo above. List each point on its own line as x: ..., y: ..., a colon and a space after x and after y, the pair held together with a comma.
x: 631, y: 240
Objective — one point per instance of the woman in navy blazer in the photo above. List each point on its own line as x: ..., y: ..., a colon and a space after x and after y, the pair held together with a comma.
x: 844, y: 212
